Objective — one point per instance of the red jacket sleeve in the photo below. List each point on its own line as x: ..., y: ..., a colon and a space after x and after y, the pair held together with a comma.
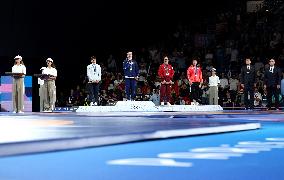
x: 172, y: 72
x: 188, y: 73
x: 161, y: 72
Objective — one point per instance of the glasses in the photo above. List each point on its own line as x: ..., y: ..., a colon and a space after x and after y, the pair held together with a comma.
x: 166, y: 59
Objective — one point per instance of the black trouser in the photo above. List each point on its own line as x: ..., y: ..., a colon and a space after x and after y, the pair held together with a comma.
x: 249, y: 88
x: 195, y: 92
x: 94, y: 92
x: 272, y: 91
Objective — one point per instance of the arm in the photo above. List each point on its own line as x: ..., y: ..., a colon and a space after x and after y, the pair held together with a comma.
x: 53, y: 75
x: 279, y: 74
x: 99, y: 73
x: 160, y: 73
x: 172, y: 72
x: 24, y: 71
x: 188, y: 75
x: 265, y: 77
x: 88, y: 73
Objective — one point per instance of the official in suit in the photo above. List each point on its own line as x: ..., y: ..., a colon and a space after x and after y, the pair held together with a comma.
x: 248, y: 75
x: 272, y: 81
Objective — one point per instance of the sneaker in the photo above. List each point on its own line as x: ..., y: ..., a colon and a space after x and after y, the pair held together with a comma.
x: 91, y: 103
x: 47, y: 111
x: 168, y: 103
x: 14, y: 112
x: 95, y: 104
x: 162, y: 103
x: 21, y: 112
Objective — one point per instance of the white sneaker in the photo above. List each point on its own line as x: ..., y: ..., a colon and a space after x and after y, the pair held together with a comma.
x: 47, y: 111
x: 14, y: 112
x: 168, y: 103
x: 91, y: 103
x: 21, y: 112
x: 95, y: 104
x: 162, y: 103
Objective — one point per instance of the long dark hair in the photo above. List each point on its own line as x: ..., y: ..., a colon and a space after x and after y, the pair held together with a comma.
x: 53, y: 65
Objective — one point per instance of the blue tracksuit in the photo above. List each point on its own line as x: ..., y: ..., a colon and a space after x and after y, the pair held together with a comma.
x: 131, y: 71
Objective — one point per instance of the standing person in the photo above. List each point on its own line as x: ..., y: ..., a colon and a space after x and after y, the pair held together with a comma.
x: 248, y: 83
x: 214, y: 82
x: 272, y: 81
x: 18, y: 84
x: 131, y: 72
x: 166, y: 74
x: 194, y: 75
x: 94, y: 76
x: 49, y: 85
x: 41, y: 91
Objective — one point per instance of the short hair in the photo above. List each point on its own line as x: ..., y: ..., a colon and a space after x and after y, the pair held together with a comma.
x: 93, y: 57
x: 195, y: 58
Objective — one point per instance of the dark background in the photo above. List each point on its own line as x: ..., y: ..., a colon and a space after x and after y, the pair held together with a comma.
x: 66, y: 28
x: 72, y: 31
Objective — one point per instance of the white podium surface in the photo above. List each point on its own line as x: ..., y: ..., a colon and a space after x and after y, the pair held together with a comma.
x: 147, y: 106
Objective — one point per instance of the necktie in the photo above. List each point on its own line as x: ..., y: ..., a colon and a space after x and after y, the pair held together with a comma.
x: 195, y: 71
x: 95, y: 69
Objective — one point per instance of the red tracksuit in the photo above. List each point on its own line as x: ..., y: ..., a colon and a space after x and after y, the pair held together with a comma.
x: 194, y: 75
x: 166, y: 73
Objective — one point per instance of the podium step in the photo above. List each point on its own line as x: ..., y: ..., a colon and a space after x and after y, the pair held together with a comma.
x: 147, y: 106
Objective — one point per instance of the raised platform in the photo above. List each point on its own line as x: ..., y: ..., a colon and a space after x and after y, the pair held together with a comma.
x: 147, y: 106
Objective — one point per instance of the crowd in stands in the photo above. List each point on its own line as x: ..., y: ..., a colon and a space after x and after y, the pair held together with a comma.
x: 221, y: 42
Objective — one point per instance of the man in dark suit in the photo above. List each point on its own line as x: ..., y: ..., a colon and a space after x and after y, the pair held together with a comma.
x: 272, y: 81
x: 248, y: 83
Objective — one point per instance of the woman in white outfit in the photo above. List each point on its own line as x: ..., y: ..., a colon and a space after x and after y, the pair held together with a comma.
x: 49, y: 85
x: 19, y: 70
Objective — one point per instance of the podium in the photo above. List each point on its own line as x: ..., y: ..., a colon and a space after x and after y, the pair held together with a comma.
x: 14, y: 74
x: 43, y: 76
x: 6, y: 93
x: 147, y: 106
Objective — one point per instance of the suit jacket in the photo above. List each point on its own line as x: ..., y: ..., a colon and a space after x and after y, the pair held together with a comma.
x: 248, y: 75
x: 272, y: 78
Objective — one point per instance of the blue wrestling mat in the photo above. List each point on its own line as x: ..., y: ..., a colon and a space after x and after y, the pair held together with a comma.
x: 253, y: 154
